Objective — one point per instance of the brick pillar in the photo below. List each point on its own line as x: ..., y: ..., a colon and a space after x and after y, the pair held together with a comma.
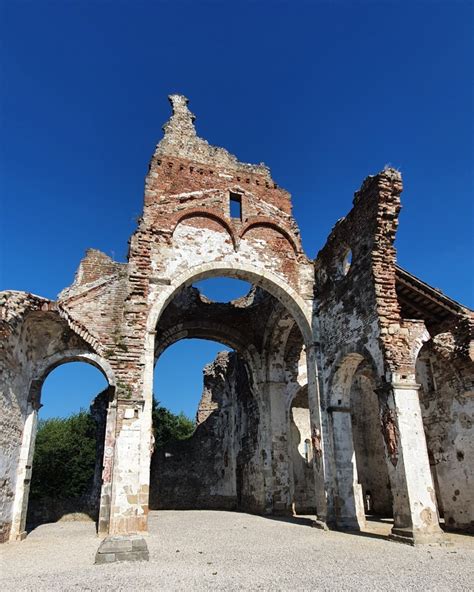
x: 349, y: 503
x: 414, y: 502
x: 127, y: 455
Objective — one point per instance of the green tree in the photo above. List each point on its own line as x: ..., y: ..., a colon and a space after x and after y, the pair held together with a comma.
x: 64, y: 460
x: 65, y: 451
x: 168, y: 427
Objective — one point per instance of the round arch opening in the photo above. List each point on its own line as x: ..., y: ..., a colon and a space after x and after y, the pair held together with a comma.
x: 205, y: 463
x: 264, y: 338
x: 63, y: 441
x: 270, y: 282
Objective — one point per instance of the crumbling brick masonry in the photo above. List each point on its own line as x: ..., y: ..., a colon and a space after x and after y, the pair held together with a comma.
x: 350, y: 391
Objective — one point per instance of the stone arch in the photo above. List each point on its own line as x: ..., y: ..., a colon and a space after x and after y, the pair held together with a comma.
x: 224, y: 425
x: 341, y: 381
x: 40, y: 372
x: 300, y: 389
x: 263, y: 222
x: 268, y: 280
x: 300, y: 309
x: 295, y: 359
x: 200, y: 330
x: 281, y: 384
x: 348, y: 416
x: 211, y: 331
x: 368, y: 441
x: 45, y: 366
x: 279, y: 327
x: 207, y: 213
x: 342, y: 372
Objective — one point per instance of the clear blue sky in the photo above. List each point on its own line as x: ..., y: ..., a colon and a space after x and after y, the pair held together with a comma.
x: 324, y: 92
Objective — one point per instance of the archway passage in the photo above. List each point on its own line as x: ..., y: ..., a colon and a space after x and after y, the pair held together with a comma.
x: 369, y: 451
x: 239, y: 456
x: 68, y: 448
x: 362, y: 479
x: 447, y: 409
x: 61, y: 455
x: 207, y: 468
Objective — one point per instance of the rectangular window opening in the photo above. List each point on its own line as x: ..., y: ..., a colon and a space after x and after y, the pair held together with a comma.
x: 235, y: 206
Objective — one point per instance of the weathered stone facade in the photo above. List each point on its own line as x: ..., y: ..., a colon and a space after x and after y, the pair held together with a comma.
x: 335, y: 355
x: 220, y: 466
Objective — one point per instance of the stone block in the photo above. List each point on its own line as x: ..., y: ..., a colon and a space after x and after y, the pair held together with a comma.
x: 122, y: 548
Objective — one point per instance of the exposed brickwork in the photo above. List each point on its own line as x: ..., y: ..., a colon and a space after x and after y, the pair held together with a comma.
x: 317, y: 327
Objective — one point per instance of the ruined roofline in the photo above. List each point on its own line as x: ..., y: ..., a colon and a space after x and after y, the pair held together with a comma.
x: 414, y: 283
x: 389, y: 173
x: 22, y: 303
x: 14, y: 304
x: 253, y: 297
x: 375, y: 190
x: 181, y: 140
x: 25, y: 293
x: 95, y: 269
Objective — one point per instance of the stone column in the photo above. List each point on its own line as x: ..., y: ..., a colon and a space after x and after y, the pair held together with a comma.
x: 107, y: 470
x: 129, y: 489
x: 414, y: 502
x: 24, y: 471
x: 276, y: 393
x: 129, y: 503
x: 349, y: 506
x: 265, y: 442
x: 319, y: 438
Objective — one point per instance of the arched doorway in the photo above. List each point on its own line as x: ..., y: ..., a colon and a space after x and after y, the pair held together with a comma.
x: 369, y: 450
x: 87, y: 487
x: 210, y: 468
x: 361, y: 474
x: 245, y: 325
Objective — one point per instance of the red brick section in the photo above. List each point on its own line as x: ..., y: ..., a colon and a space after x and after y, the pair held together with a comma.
x: 188, y: 182
x: 175, y: 186
x: 367, y: 291
x: 95, y: 266
x: 178, y: 191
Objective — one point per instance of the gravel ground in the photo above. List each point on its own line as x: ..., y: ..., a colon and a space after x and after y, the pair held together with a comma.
x: 205, y: 550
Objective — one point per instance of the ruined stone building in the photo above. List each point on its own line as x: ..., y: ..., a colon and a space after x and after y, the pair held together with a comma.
x: 350, y: 389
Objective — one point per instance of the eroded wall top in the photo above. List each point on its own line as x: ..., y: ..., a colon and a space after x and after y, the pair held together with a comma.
x: 189, y: 178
